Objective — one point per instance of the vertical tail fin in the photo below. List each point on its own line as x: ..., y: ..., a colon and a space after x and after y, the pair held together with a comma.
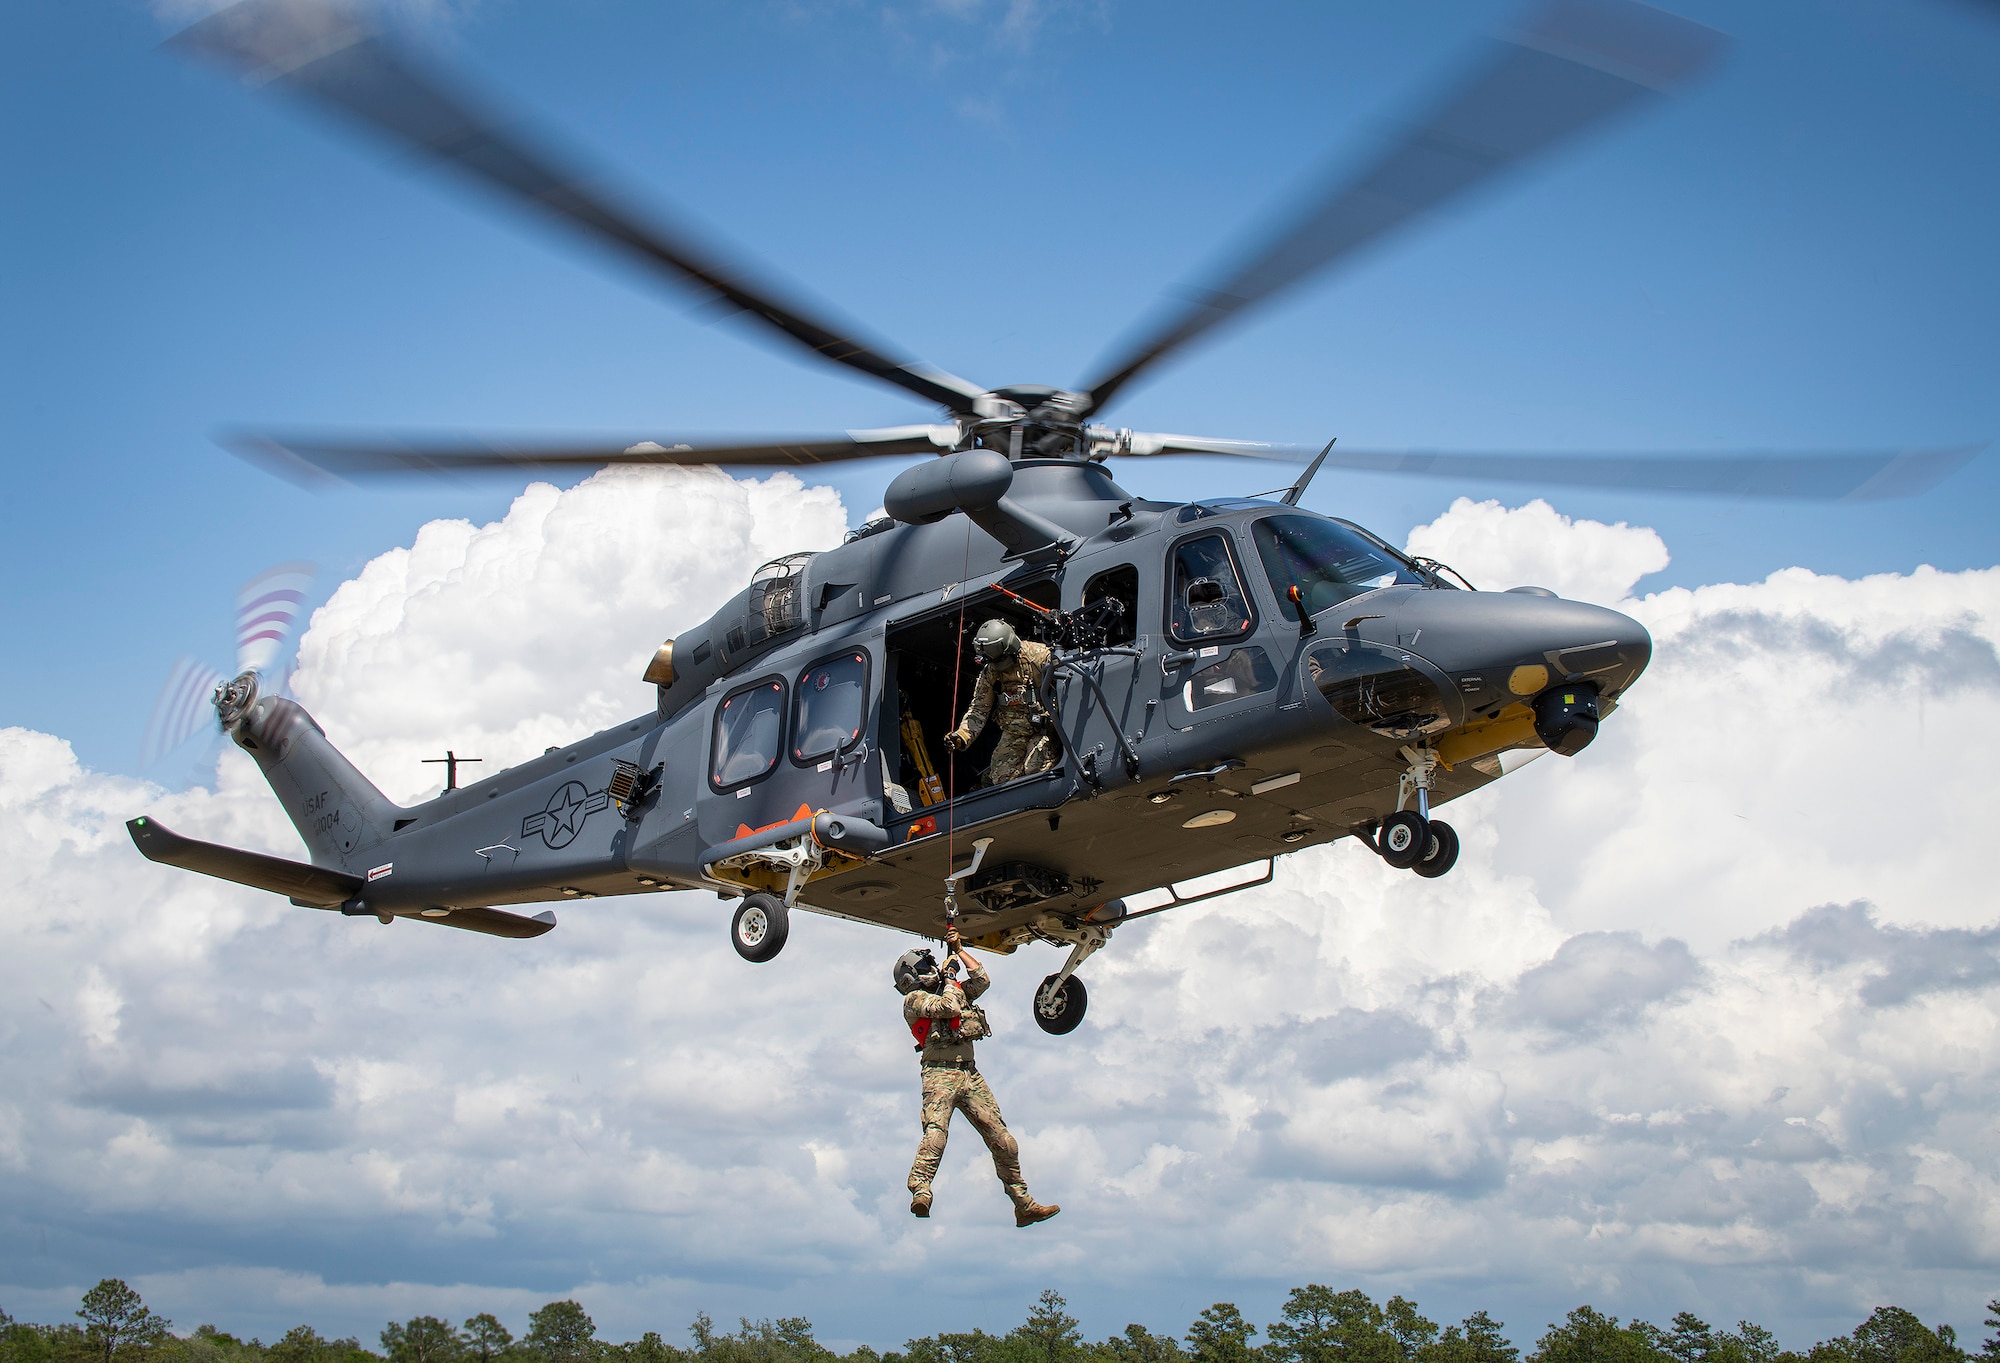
x: 337, y: 810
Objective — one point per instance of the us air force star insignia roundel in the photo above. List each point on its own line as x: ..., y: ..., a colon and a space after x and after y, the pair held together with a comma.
x: 562, y: 820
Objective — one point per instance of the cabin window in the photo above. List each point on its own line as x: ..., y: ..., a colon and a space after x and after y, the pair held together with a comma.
x: 1120, y: 621
x: 1245, y: 672
x: 830, y: 702
x: 749, y: 734
x: 1327, y: 561
x: 1208, y: 604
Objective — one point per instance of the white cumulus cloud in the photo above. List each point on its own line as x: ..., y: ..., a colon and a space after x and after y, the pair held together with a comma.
x: 1705, y: 1017
x: 1537, y: 546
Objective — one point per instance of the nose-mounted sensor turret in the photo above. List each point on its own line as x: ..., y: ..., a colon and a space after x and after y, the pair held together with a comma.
x: 1566, y: 717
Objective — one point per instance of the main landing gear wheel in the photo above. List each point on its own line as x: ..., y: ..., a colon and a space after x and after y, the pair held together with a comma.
x: 1405, y: 838
x: 1058, y: 1011
x: 1440, y: 852
x: 760, y: 927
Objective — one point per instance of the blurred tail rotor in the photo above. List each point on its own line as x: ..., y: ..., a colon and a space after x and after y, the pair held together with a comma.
x: 181, y: 708
x: 268, y: 607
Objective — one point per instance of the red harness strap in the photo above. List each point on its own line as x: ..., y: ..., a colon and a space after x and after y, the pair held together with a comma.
x: 921, y: 1029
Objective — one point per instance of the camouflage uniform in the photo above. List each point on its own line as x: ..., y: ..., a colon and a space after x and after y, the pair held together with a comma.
x: 1014, y: 684
x: 951, y: 1083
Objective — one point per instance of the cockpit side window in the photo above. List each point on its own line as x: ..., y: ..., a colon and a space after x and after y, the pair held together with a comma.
x: 1325, y: 560
x: 1208, y: 604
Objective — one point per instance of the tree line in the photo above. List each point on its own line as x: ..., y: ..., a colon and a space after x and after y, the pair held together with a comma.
x: 1315, y: 1325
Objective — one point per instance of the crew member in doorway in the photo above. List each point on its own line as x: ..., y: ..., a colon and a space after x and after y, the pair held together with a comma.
x: 945, y: 1022
x: 1010, y: 689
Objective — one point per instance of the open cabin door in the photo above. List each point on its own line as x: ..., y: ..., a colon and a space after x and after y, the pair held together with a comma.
x: 929, y: 676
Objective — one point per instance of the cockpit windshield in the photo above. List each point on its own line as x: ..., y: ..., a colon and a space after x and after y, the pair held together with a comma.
x: 1327, y: 561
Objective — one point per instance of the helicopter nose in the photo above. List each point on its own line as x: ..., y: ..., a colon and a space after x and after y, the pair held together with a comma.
x: 1484, y: 663
x: 1498, y: 647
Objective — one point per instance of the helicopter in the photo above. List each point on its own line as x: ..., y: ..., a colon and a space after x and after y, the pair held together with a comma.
x: 1229, y: 680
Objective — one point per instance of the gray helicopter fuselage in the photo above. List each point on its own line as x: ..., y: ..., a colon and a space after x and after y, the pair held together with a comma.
x: 1178, y: 754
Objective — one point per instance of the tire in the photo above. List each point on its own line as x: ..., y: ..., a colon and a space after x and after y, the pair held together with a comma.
x: 1059, y: 1016
x: 1404, y: 839
x: 1441, y: 854
x: 760, y: 927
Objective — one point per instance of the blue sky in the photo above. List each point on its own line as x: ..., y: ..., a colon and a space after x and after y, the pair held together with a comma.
x: 1795, y: 253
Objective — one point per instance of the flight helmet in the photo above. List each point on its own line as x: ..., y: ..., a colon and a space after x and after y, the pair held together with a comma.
x: 996, y: 641
x: 917, y: 969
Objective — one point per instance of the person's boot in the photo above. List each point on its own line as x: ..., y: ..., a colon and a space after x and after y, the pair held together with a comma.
x: 920, y: 1202
x: 1028, y: 1211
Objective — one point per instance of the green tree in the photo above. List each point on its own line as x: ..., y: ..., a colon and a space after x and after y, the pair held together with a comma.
x: 1324, y: 1326
x: 1139, y: 1345
x: 1476, y: 1339
x: 1407, y: 1326
x: 561, y: 1332
x: 1839, y: 1349
x: 114, y: 1317
x: 1220, y: 1335
x: 650, y: 1348
x: 1893, y: 1335
x: 1990, y: 1350
x: 24, y: 1343
x: 486, y: 1338
x: 1050, y: 1334
x: 1587, y: 1335
x: 1749, y: 1342
x: 421, y: 1339
x: 788, y: 1339
x: 210, y: 1345
x: 303, y: 1344
x: 1690, y: 1340
x: 974, y: 1347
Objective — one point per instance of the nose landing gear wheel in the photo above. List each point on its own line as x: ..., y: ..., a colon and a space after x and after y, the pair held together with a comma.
x: 1440, y: 852
x: 1405, y: 838
x: 1058, y: 1011
x: 760, y: 927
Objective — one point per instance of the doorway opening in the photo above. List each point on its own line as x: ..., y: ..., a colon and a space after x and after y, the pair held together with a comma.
x: 929, y: 678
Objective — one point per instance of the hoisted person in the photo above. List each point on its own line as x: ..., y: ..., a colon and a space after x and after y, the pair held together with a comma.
x: 945, y: 1020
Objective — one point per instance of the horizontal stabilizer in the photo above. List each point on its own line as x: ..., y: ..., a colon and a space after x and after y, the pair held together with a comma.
x: 314, y: 885
x: 492, y: 922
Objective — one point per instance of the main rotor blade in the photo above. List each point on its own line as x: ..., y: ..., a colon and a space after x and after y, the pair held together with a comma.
x: 325, y: 51
x: 320, y: 459
x: 1576, y: 65
x: 1863, y: 476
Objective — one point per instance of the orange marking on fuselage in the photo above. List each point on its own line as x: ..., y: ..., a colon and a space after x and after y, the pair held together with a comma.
x: 744, y: 830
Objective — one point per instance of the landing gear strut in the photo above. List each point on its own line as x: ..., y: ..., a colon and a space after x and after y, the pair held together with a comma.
x: 1410, y: 839
x: 1061, y: 998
